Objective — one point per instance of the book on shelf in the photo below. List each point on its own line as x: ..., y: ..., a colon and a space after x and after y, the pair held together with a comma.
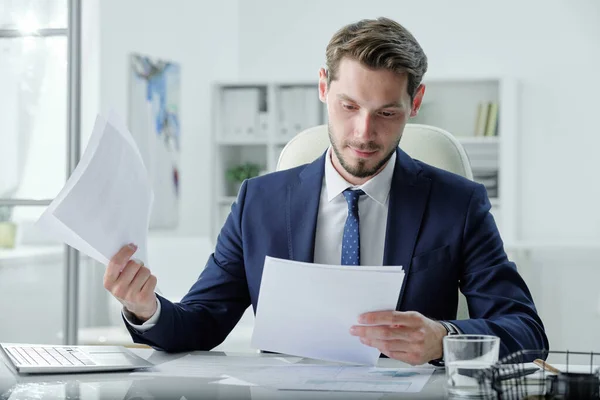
x: 486, y: 121
x: 480, y: 119
x: 491, y: 128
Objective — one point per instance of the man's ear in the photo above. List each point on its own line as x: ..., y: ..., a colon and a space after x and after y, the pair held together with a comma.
x: 323, y: 85
x: 417, y: 100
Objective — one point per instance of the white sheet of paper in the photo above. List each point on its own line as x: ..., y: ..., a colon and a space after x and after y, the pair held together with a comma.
x: 204, y: 366
x: 340, y: 378
x: 307, y: 310
x: 231, y: 381
x: 106, y: 202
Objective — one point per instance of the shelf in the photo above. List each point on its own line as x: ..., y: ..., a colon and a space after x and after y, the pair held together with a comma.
x: 452, y: 103
x: 478, y: 139
x: 242, y: 141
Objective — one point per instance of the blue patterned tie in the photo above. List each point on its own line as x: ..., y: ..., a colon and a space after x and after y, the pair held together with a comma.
x: 351, y: 239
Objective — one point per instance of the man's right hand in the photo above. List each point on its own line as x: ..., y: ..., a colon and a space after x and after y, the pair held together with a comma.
x: 131, y: 283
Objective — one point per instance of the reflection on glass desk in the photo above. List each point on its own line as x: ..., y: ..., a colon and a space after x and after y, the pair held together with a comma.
x: 150, y: 385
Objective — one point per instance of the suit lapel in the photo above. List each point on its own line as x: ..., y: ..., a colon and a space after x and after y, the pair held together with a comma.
x: 303, y: 198
x: 409, y: 193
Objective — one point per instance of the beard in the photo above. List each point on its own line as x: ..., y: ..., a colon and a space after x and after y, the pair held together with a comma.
x: 361, y: 169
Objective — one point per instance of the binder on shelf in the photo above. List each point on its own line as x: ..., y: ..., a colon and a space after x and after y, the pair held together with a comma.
x: 285, y: 111
x: 300, y: 108
x: 297, y: 110
x: 227, y: 102
x: 481, y: 120
x: 486, y: 122
x: 242, y: 119
x: 263, y: 113
x: 248, y: 107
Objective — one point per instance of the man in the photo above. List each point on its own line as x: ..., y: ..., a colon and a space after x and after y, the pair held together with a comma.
x: 434, y: 223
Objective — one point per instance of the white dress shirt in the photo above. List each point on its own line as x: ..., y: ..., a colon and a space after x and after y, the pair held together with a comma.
x: 372, y: 215
x: 331, y: 219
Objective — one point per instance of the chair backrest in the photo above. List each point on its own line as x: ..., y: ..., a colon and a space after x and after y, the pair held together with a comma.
x: 429, y: 144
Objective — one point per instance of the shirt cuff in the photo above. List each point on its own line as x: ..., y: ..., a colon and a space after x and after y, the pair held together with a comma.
x: 134, y: 321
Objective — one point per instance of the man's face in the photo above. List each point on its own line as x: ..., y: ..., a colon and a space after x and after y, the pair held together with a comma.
x: 368, y: 110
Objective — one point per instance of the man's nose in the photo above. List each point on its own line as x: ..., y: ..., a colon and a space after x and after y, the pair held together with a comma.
x: 364, y: 126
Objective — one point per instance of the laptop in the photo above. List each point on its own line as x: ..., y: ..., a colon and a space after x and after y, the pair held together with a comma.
x: 56, y: 359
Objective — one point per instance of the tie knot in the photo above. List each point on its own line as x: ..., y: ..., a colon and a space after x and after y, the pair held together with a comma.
x: 352, y: 196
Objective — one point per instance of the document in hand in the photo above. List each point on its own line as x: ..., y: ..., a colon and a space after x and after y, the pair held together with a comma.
x: 307, y: 310
x: 107, y: 200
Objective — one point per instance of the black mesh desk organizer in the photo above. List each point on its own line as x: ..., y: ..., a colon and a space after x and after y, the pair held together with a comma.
x: 512, y: 378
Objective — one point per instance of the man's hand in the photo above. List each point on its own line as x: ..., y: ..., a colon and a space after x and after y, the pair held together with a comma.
x: 404, y: 336
x: 131, y: 283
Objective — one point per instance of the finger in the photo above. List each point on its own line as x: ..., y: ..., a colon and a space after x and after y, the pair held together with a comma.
x: 139, y: 280
x: 383, y: 332
x: 148, y: 287
x: 408, y: 318
x: 129, y: 272
x: 118, y: 262
x: 389, y: 345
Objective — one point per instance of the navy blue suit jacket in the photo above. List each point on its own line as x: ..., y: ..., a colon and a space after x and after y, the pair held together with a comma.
x: 439, y: 228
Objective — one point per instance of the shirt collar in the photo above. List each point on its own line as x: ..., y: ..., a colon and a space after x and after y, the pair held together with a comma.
x: 377, y: 188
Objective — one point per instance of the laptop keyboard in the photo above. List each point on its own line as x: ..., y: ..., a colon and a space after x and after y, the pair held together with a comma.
x: 48, y: 356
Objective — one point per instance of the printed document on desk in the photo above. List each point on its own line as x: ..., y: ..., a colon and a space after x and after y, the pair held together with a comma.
x: 307, y: 310
x: 107, y: 200
x: 339, y: 378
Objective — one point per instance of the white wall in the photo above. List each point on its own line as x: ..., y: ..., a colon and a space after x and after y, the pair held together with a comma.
x: 202, y: 37
x: 553, y: 49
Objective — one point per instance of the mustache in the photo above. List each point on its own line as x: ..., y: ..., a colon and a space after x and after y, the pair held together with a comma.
x: 369, y: 146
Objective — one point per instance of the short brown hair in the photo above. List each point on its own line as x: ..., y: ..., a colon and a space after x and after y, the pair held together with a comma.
x: 379, y: 43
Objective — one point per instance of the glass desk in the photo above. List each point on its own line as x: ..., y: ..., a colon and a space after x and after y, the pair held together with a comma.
x: 142, y: 385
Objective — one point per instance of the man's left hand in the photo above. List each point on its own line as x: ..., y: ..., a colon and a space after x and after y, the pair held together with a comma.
x: 405, y: 336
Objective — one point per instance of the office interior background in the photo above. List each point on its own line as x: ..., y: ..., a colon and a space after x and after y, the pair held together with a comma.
x: 536, y: 60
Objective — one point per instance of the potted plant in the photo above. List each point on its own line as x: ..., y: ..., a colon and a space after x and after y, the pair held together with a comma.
x: 239, y: 173
x: 8, y: 229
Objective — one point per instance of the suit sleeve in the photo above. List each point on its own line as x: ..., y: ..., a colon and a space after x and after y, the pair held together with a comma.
x: 214, y: 304
x: 499, y: 301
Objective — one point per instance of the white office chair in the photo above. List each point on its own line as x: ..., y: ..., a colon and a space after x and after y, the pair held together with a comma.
x: 429, y: 144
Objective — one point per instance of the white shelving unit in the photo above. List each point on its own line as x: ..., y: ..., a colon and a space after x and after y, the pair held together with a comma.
x: 451, y: 103
x: 254, y: 120
x: 252, y: 123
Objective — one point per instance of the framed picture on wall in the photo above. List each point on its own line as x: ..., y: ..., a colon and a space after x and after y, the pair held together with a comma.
x: 154, y: 121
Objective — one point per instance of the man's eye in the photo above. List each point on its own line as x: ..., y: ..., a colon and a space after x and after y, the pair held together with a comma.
x: 348, y: 106
x: 387, y: 114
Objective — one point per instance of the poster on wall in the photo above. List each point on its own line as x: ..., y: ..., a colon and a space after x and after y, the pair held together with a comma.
x: 154, y: 121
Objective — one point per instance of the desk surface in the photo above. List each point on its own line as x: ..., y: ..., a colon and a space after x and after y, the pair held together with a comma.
x: 137, y: 386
